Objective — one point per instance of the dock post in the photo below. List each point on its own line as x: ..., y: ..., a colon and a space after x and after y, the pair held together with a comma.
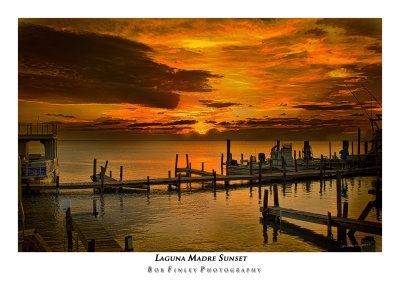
x: 358, y: 141
x: 222, y: 163
x: 259, y: 173
x: 190, y: 169
x: 68, y: 221
x: 283, y: 168
x: 91, y: 245
x: 120, y: 172
x: 179, y: 182
x: 58, y: 182
x: 215, y: 179
x: 330, y: 150
x: 148, y: 183
x: 169, y: 176
x: 241, y: 158
x: 251, y: 164
x: 110, y: 174
x: 339, y: 194
x: 129, y: 243
x: 176, y: 165
x: 102, y: 180
x: 187, y: 165
x: 265, y: 203
x: 352, y: 151
x: 228, y: 156
x: 94, y: 170
x: 329, y: 222
x: 95, y: 207
x: 345, y: 209
x: 366, y: 147
x: 202, y: 166
x: 320, y: 165
x: 276, y: 197
x: 295, y: 161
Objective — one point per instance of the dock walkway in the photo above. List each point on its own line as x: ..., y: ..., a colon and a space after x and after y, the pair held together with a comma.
x: 347, y: 223
x: 265, y: 177
x: 88, y: 228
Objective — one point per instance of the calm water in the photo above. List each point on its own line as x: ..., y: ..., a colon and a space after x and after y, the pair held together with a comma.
x: 197, y: 220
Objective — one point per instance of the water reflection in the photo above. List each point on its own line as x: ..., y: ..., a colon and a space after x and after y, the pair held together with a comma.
x: 227, y: 227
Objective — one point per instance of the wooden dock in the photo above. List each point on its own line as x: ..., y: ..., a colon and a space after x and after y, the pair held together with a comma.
x: 347, y: 223
x: 89, y: 228
x: 255, y: 178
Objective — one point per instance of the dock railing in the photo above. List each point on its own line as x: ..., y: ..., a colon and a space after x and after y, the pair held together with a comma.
x: 37, y: 129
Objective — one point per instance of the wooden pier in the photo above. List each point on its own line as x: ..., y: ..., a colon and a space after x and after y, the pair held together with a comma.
x: 93, y: 235
x: 255, y: 178
x: 352, y: 224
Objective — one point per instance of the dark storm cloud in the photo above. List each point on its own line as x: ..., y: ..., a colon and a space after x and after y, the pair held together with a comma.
x: 356, y: 26
x: 312, y: 107
x: 183, y: 122
x: 375, y: 47
x: 66, y: 67
x: 60, y: 115
x: 210, y: 103
x: 294, y: 122
x: 316, y: 31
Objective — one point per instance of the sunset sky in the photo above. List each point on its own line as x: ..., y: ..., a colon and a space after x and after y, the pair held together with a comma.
x: 243, y: 79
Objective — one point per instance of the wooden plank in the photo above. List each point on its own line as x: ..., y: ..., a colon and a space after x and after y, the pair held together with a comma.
x: 354, y: 224
x: 164, y: 181
x: 88, y: 227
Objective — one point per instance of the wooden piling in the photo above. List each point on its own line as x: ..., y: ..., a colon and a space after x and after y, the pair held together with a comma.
x: 92, y: 245
x: 259, y: 172
x: 241, y: 157
x: 329, y: 225
x: 215, y: 179
x: 345, y: 209
x: 222, y: 163
x: 94, y: 170
x: 295, y: 161
x: 352, y: 151
x: 358, y: 141
x: 276, y: 197
x: 105, y: 167
x: 321, y: 165
x: 283, y: 168
x: 202, y: 166
x: 251, y: 164
x: 57, y: 181
x: 179, y: 182
x: 120, y: 172
x: 228, y: 156
x: 366, y: 147
x: 148, y: 183
x: 339, y: 194
x: 110, y: 174
x: 265, y: 203
x: 102, y: 179
x: 190, y: 169
x: 95, y: 207
x: 129, y: 243
x: 176, y: 165
x: 187, y: 164
x: 68, y: 221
